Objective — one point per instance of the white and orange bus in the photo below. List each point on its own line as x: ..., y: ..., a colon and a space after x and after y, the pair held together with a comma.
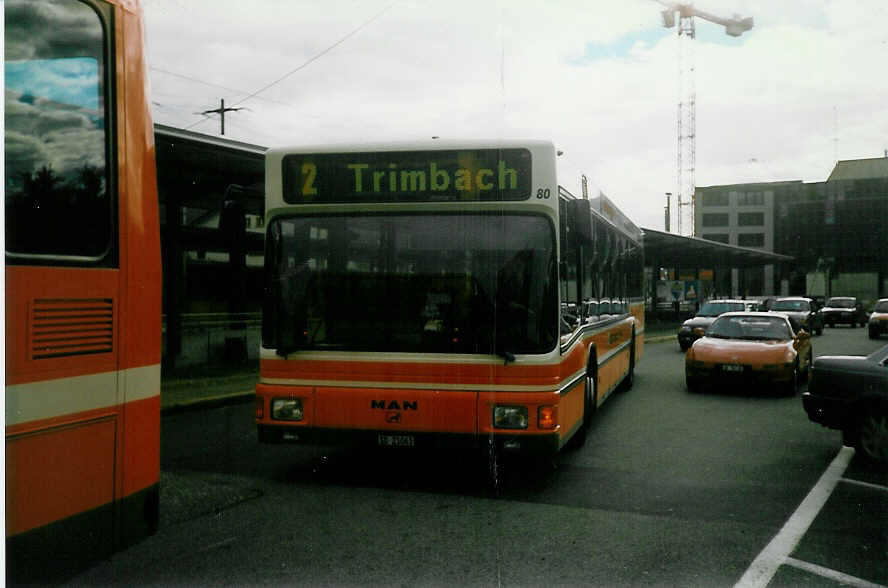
x: 82, y: 286
x: 442, y: 294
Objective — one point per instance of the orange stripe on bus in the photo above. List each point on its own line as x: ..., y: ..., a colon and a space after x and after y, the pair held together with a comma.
x: 451, y: 373
x: 442, y: 373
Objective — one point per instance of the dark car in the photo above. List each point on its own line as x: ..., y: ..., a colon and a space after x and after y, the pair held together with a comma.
x: 694, y: 328
x: 843, y: 310
x: 803, y: 311
x: 878, y: 320
x: 850, y: 393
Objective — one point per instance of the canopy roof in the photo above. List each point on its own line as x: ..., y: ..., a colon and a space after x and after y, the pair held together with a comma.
x: 670, y: 250
x: 195, y: 170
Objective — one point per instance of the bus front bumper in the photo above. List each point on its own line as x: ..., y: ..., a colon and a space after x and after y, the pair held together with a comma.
x: 540, y: 444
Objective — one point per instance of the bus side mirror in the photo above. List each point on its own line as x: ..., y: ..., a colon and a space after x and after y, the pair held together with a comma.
x: 580, y: 217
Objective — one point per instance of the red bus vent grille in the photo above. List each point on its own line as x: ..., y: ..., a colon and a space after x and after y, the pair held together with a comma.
x: 61, y: 328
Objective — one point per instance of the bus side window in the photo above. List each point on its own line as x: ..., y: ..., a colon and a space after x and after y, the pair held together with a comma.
x: 57, y: 134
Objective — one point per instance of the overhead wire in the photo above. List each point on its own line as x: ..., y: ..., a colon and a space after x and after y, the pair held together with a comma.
x: 226, y: 88
x: 319, y: 55
x: 307, y: 62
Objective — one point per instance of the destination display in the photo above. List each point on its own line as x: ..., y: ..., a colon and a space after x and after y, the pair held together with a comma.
x: 407, y: 176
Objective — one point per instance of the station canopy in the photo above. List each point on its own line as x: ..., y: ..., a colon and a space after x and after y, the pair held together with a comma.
x: 670, y: 250
x: 196, y: 174
x: 195, y: 170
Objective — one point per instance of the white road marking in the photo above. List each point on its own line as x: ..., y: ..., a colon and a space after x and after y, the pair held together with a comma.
x: 762, y: 570
x: 844, y: 579
x: 866, y: 484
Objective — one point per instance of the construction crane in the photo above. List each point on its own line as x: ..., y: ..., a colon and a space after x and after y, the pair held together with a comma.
x: 687, y: 97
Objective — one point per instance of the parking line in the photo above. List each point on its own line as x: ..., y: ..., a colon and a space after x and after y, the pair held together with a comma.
x: 831, y: 574
x: 866, y: 484
x: 763, y: 568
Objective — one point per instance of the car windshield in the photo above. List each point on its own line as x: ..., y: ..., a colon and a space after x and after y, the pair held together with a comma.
x: 717, y: 308
x: 840, y: 303
x: 751, y: 328
x: 436, y: 283
x: 882, y: 306
x: 791, y: 305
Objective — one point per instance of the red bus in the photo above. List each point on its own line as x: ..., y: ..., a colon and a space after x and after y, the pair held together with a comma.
x: 442, y: 294
x: 83, y: 286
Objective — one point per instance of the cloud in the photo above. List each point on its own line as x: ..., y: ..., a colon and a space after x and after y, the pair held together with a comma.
x: 599, y: 79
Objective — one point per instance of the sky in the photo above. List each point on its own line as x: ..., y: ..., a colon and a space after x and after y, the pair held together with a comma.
x: 804, y: 88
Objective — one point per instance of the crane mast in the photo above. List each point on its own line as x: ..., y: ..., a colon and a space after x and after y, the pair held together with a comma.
x: 687, y: 100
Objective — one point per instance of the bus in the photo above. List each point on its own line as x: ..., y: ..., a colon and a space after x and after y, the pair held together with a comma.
x: 442, y: 294
x: 82, y: 286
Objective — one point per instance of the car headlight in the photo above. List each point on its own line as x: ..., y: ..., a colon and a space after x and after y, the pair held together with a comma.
x: 286, y: 409
x: 510, y: 417
x: 700, y: 331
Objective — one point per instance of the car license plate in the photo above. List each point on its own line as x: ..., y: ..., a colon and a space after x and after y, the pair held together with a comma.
x: 395, y: 440
x: 732, y: 368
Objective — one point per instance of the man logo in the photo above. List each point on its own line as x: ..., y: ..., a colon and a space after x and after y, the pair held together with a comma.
x: 394, y: 405
x: 393, y: 417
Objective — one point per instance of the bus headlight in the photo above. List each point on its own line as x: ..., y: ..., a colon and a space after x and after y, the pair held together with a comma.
x: 510, y: 417
x: 286, y: 409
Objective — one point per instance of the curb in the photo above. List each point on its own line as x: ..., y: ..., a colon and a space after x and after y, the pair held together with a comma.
x: 208, y: 402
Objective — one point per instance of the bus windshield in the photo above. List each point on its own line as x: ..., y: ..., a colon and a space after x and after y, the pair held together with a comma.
x: 435, y: 283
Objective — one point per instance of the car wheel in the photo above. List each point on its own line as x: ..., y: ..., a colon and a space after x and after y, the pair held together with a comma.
x: 684, y: 346
x: 694, y: 386
x: 629, y: 378
x: 872, y: 435
x: 579, y: 438
x: 873, y: 334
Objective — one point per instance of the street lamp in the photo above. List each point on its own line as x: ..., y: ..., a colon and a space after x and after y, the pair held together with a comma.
x: 668, y: 204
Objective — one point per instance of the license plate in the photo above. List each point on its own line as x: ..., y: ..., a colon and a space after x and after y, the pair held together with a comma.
x: 395, y: 440
x: 732, y: 368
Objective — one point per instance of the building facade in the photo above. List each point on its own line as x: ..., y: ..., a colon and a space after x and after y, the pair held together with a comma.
x: 836, y: 231
x: 743, y: 215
